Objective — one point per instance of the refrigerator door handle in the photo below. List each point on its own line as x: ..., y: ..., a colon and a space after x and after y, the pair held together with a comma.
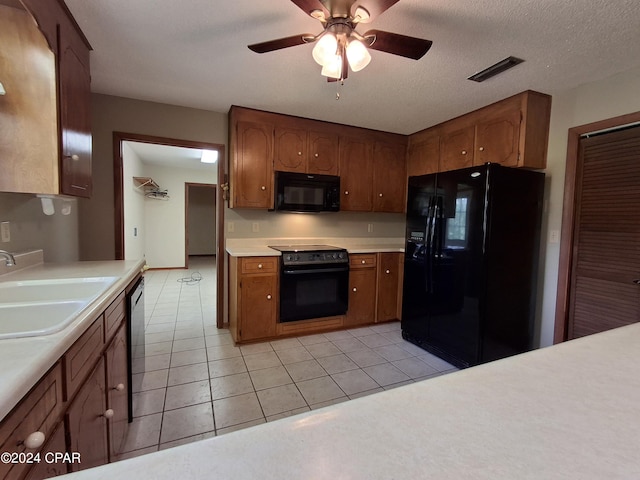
x: 429, y: 244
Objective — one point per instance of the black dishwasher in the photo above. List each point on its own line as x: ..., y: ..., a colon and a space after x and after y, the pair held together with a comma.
x: 135, y: 333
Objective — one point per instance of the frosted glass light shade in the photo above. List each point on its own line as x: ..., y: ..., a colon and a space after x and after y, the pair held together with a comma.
x: 357, y: 55
x: 325, y: 49
x: 209, y: 156
x: 333, y: 67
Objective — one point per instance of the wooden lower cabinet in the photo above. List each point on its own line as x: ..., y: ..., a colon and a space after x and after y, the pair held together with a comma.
x: 117, y: 399
x: 253, y: 312
x: 389, y: 298
x: 362, y: 290
x: 86, y: 423
x: 47, y: 468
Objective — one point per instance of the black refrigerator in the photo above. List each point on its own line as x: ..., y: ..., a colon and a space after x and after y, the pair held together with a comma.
x: 471, y: 257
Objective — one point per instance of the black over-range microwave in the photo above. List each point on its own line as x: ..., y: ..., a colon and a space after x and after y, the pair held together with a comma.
x: 302, y: 192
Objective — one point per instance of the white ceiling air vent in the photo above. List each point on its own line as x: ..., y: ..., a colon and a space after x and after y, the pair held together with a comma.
x: 495, y: 69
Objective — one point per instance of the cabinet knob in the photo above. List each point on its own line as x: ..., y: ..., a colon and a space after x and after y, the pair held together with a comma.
x: 346, y: 192
x: 387, y: 272
x: 355, y: 289
x: 34, y: 440
x: 464, y: 152
x: 108, y: 414
x: 380, y: 195
x: 299, y: 154
x: 119, y: 387
x: 363, y: 262
x: 260, y: 265
x: 269, y: 297
x: 263, y: 188
x: 75, y: 157
x: 316, y: 155
x: 481, y: 149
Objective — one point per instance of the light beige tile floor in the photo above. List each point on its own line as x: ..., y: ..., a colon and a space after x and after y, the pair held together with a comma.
x: 194, y: 383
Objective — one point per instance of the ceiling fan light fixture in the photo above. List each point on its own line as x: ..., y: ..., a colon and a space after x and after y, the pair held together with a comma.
x: 325, y: 49
x: 357, y: 55
x: 333, y: 67
x: 361, y: 15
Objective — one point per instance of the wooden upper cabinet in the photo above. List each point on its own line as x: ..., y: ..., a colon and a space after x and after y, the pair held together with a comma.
x: 323, y: 153
x: 253, y: 165
x: 356, y: 174
x: 290, y: 152
x: 456, y: 147
x: 513, y: 132
x: 75, y: 114
x: 303, y: 151
x: 54, y: 147
x: 423, y: 153
x: 389, y: 177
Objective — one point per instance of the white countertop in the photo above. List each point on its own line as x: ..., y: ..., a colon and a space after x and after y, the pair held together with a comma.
x: 571, y: 411
x: 260, y: 247
x: 23, y: 361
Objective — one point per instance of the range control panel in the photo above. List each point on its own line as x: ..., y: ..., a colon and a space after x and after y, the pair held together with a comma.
x: 314, y: 258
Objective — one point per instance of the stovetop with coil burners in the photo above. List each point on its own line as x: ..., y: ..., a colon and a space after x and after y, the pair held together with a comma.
x: 311, y: 254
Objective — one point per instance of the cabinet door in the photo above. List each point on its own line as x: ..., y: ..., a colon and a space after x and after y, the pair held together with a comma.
x: 389, y: 292
x: 258, y: 297
x: 423, y: 155
x: 323, y: 153
x: 356, y: 174
x: 253, y: 165
x: 498, y: 138
x: 389, y: 178
x: 456, y: 149
x: 86, y: 424
x: 75, y: 116
x: 362, y: 297
x: 290, y: 150
x: 56, y: 444
x: 117, y: 399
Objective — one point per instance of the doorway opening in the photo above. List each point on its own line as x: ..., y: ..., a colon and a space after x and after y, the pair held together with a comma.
x: 151, y: 211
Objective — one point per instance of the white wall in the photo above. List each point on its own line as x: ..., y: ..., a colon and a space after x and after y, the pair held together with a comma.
x: 611, y: 97
x: 133, y: 201
x: 165, y: 219
x: 201, y: 226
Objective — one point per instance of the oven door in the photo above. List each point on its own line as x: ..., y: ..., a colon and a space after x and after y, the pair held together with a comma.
x: 313, y: 291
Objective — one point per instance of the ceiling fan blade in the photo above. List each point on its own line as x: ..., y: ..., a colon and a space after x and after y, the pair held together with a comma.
x: 396, y: 44
x: 286, y: 42
x: 374, y: 7
x: 309, y: 6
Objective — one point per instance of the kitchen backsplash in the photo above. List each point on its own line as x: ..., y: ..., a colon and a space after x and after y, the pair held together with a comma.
x: 245, y: 223
x: 31, y: 229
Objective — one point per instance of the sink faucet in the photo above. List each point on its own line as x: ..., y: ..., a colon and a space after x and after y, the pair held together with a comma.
x: 9, y: 259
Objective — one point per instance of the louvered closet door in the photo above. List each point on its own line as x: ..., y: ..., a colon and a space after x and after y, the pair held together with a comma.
x: 606, y: 249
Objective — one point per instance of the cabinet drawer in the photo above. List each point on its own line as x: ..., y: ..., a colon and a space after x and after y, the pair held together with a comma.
x: 362, y: 260
x: 113, y: 317
x: 259, y: 264
x: 39, y: 411
x: 82, y: 356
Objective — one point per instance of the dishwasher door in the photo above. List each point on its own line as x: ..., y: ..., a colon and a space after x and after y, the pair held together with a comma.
x: 135, y: 333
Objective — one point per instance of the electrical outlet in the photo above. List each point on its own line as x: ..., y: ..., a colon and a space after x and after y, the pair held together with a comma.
x: 231, y: 227
x: 255, y: 227
x: 5, y: 232
x: 554, y: 236
x: 370, y: 227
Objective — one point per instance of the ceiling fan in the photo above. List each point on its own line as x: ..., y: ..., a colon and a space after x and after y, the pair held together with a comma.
x: 339, y: 46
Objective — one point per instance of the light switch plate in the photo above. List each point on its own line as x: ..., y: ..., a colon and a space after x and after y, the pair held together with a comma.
x: 5, y: 232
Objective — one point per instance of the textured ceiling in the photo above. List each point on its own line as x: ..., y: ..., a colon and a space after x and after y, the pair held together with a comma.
x: 194, y: 53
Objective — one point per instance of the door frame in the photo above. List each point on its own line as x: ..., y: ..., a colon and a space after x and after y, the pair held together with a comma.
x: 569, y: 215
x: 118, y: 185
x: 187, y: 188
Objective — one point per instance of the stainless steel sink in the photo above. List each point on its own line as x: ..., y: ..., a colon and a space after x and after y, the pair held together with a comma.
x: 32, y: 308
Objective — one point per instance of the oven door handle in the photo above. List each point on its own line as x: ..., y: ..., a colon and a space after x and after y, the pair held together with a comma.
x: 316, y: 270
